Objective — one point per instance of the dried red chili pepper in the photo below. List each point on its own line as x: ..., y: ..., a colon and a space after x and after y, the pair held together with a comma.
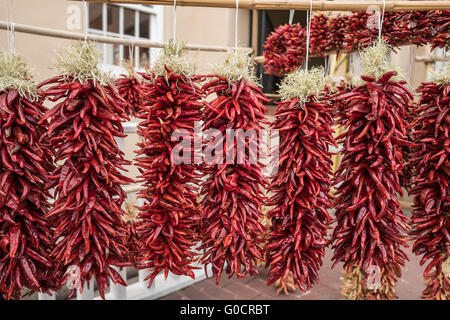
x: 170, y: 217
x: 231, y: 223
x: 300, y: 189
x: 83, y: 126
x: 338, y: 105
x: 131, y: 90
x: 431, y: 219
x: 284, y: 49
x: 370, y: 231
x: 25, y: 234
x: 320, y: 35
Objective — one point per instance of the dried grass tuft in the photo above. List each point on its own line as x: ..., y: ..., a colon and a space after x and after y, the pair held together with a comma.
x: 374, y: 63
x: 301, y: 84
x: 79, y: 62
x: 443, y: 76
x: 173, y: 57
x: 238, y: 65
x: 15, y: 74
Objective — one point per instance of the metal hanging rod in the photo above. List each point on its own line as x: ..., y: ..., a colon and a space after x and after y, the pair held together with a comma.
x: 317, y: 5
x: 103, y: 39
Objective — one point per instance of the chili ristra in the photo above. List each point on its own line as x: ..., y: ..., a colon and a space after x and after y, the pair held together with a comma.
x: 89, y: 231
x: 169, y: 219
x: 300, y: 189
x: 431, y: 221
x: 284, y: 49
x: 130, y: 88
x: 370, y: 231
x: 25, y: 160
x: 231, y: 225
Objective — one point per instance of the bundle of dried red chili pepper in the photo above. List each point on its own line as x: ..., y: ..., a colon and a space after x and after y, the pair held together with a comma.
x: 25, y: 234
x: 170, y: 216
x: 300, y: 188
x: 284, y: 49
x: 89, y: 229
x: 231, y: 228
x: 338, y: 105
x: 370, y: 231
x: 130, y: 89
x: 431, y: 219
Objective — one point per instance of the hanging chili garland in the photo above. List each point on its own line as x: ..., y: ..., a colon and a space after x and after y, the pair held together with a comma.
x: 25, y: 231
x: 89, y: 230
x: 431, y: 219
x: 284, y: 49
x: 371, y: 227
x: 231, y: 222
x: 130, y: 88
x: 300, y: 188
x: 170, y: 217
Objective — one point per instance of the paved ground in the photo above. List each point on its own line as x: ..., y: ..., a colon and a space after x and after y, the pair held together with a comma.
x: 329, y: 286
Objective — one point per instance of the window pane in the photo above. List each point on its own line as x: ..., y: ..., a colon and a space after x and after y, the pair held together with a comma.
x: 128, y: 16
x: 113, y: 19
x: 95, y: 16
x: 144, y: 25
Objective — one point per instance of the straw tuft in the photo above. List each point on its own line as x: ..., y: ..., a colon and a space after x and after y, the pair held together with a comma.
x: 443, y: 76
x: 301, y: 84
x: 173, y: 57
x: 238, y: 65
x: 79, y: 62
x: 374, y: 62
x: 15, y: 74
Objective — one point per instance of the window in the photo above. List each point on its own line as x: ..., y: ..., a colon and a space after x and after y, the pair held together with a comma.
x: 143, y: 22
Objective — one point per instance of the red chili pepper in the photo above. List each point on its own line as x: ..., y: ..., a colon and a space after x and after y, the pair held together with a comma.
x: 431, y: 220
x: 370, y: 230
x: 285, y: 47
x: 169, y: 219
x: 88, y: 224
x: 131, y: 90
x: 231, y: 228
x: 25, y: 234
x: 300, y: 219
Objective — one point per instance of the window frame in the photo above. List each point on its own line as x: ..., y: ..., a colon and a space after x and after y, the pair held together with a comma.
x: 155, y: 32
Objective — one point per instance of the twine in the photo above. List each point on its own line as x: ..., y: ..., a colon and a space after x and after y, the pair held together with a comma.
x: 85, y: 20
x: 236, y: 26
x: 308, y: 32
x: 291, y: 16
x: 380, y: 21
x: 174, y: 36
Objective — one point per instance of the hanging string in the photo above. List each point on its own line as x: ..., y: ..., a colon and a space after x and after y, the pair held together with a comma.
x: 291, y: 16
x: 174, y: 36
x: 85, y: 20
x: 308, y: 32
x: 131, y: 53
x: 11, y: 23
x: 380, y: 21
x: 8, y: 26
x: 236, y: 27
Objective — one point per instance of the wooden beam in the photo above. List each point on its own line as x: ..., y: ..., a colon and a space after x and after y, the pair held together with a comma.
x: 429, y: 59
x: 317, y: 5
x: 103, y: 39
